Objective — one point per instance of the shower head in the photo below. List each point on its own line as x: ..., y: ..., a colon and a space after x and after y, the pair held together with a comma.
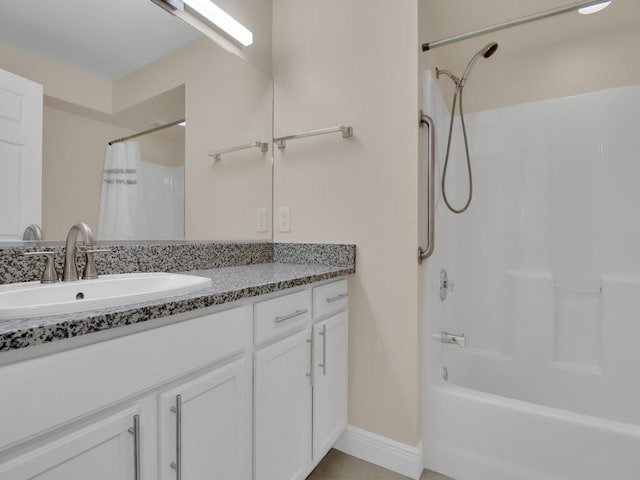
x: 485, y: 52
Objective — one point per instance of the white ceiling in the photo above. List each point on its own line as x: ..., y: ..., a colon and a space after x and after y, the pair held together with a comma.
x: 105, y: 38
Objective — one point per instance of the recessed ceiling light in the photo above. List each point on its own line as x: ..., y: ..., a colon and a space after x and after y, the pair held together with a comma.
x: 594, y: 8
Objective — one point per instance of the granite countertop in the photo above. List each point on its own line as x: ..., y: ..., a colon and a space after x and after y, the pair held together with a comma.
x: 229, y: 284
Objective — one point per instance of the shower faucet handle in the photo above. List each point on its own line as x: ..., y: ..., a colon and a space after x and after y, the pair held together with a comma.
x: 451, y: 338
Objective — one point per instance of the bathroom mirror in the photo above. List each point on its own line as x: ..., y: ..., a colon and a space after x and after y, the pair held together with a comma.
x: 111, y: 70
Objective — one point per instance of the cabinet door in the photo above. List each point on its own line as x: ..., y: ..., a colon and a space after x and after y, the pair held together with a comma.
x: 283, y: 409
x: 330, y: 382
x: 104, y: 450
x: 205, y: 426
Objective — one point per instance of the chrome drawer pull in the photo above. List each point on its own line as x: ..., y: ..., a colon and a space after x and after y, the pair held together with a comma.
x: 297, y: 313
x: 337, y: 297
x: 135, y: 431
x: 177, y: 465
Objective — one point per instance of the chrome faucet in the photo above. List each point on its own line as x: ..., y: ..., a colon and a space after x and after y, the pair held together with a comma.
x: 70, y: 272
x: 33, y: 232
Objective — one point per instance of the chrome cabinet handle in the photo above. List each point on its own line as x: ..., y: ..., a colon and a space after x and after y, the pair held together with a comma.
x: 323, y: 334
x: 337, y: 297
x: 135, y: 431
x: 297, y: 313
x: 177, y: 465
x: 310, y: 372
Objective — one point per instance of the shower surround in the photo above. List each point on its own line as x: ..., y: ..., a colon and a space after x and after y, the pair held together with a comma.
x: 546, y: 289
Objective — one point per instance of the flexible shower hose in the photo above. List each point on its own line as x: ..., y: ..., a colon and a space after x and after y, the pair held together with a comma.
x: 457, y: 96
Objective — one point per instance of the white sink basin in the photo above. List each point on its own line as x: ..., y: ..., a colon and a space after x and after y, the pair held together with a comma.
x: 34, y: 299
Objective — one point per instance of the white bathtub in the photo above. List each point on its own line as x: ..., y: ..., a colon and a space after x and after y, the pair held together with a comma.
x: 546, y: 275
x: 474, y: 435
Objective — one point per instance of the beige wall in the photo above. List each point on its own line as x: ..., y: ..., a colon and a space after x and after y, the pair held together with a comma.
x: 561, y: 56
x: 73, y: 159
x: 228, y: 103
x: 355, y: 63
x: 60, y: 81
x: 72, y: 163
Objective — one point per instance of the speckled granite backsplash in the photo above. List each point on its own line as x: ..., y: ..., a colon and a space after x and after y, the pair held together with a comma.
x: 131, y: 257
x: 315, y: 254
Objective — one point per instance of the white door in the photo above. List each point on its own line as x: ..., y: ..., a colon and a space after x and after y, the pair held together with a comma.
x: 215, y: 426
x: 20, y: 155
x: 330, y: 382
x: 283, y: 409
x: 102, y: 451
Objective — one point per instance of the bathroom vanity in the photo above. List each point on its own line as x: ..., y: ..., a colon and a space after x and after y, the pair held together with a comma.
x: 244, y: 379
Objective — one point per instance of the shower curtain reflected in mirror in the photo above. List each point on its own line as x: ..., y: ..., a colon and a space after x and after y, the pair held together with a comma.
x: 140, y: 200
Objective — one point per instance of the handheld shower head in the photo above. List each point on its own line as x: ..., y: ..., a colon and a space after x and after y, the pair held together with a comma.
x: 485, y: 52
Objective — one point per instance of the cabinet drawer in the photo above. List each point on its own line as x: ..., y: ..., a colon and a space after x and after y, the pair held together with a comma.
x: 282, y: 315
x: 329, y: 299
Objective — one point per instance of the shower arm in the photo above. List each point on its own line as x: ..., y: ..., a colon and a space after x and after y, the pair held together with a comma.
x: 424, y: 253
x: 455, y: 79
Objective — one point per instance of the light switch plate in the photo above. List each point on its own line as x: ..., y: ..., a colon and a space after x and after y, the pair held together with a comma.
x: 261, y: 220
x: 284, y: 219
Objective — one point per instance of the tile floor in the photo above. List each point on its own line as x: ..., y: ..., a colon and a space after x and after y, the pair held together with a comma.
x: 340, y: 466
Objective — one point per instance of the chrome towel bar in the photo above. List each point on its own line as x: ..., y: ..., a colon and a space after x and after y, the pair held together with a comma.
x: 347, y: 132
x: 217, y: 155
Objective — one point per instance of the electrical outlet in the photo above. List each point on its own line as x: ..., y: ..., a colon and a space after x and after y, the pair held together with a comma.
x: 261, y: 220
x: 284, y: 219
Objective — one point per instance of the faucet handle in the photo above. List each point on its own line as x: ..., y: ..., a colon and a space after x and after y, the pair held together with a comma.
x: 49, y: 274
x: 90, y: 270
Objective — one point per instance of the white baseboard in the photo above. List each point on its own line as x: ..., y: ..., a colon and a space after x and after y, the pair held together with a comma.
x: 384, y: 452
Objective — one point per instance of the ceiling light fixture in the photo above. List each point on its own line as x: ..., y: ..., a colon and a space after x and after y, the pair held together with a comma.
x: 222, y: 20
x: 212, y: 13
x: 594, y: 8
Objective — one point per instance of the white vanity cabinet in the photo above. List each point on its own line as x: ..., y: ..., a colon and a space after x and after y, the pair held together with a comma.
x: 257, y: 391
x: 283, y: 409
x: 104, y: 450
x: 300, y: 396
x: 59, y: 417
x: 205, y: 426
x: 330, y: 382
x: 330, y: 365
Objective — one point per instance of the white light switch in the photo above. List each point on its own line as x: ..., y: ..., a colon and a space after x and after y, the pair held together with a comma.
x: 284, y: 219
x: 261, y: 220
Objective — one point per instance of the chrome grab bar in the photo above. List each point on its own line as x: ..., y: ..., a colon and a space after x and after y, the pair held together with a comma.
x: 424, y: 253
x: 347, y: 132
x: 297, y: 313
x: 217, y: 155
